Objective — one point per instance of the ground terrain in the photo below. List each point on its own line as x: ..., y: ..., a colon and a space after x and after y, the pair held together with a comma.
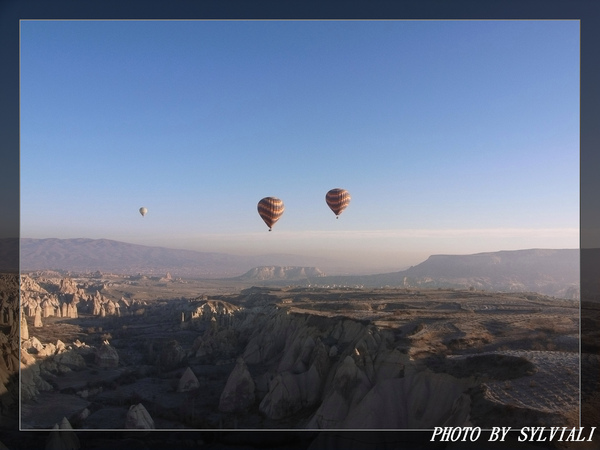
x: 513, y: 358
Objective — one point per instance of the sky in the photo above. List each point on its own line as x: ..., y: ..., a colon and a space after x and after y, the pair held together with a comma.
x: 452, y: 137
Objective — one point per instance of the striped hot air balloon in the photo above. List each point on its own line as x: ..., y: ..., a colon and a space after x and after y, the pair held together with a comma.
x: 337, y: 199
x: 270, y: 209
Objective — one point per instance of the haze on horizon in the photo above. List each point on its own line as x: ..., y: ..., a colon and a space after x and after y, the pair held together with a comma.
x: 453, y: 137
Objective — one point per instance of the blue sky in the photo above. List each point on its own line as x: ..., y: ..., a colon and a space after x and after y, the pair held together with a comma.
x: 452, y: 137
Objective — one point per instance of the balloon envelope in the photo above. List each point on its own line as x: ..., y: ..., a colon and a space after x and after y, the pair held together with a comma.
x: 337, y: 199
x: 143, y: 211
x: 270, y: 209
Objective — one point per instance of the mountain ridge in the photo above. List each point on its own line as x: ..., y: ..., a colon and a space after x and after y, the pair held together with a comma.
x: 106, y: 255
x: 553, y: 272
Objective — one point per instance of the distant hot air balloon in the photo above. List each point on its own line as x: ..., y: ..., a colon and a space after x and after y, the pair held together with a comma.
x: 337, y: 200
x: 270, y: 209
x: 143, y: 211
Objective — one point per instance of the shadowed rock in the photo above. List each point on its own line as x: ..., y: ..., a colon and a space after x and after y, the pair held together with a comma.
x: 31, y: 381
x: 238, y: 394
x: 418, y: 401
x: 106, y: 356
x: 188, y: 381
x: 138, y: 418
x: 65, y: 439
x: 171, y: 355
x: 71, y: 359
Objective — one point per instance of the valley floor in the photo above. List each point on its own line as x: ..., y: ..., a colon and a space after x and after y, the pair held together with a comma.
x: 308, y: 358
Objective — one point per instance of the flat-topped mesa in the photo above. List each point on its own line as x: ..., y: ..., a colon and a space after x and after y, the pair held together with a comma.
x: 291, y: 273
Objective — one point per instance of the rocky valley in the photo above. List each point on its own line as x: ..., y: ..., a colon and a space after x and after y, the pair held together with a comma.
x: 117, y: 353
x: 478, y: 340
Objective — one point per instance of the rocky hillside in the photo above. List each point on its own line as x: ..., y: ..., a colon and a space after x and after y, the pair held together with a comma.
x: 292, y: 273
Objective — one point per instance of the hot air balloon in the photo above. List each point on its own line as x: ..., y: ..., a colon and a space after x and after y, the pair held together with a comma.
x: 143, y: 211
x: 270, y: 209
x: 337, y: 199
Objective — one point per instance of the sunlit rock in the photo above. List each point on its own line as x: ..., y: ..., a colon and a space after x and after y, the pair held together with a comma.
x: 24, y: 328
x: 32, y: 345
x: 48, y: 350
x: 64, y: 310
x: 37, y: 321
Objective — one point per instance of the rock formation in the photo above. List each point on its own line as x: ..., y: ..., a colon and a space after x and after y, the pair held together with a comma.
x: 31, y: 381
x: 71, y: 359
x: 344, y: 379
x: 30, y: 285
x: 24, y: 328
x: 60, y: 302
x: 138, y: 418
x: 68, y: 286
x: 37, y: 321
x: 222, y: 312
x: 171, y: 356
x: 188, y: 381
x: 62, y: 437
x: 106, y: 356
x: 32, y: 345
x: 223, y: 343
x: 72, y: 311
x: 238, y: 394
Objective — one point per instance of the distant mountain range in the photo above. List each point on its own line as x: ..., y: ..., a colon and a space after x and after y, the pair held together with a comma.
x: 550, y: 272
x: 104, y: 255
